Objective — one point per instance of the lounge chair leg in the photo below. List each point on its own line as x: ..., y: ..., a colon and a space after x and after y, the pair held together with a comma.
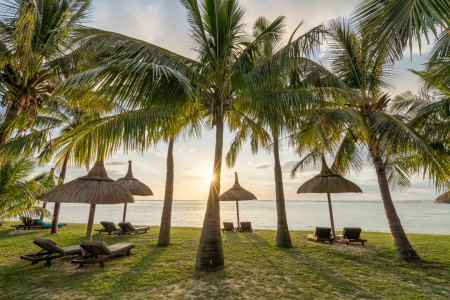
x: 128, y: 252
x: 48, y: 263
x: 81, y: 265
x: 102, y: 264
x: 362, y: 243
x: 346, y: 243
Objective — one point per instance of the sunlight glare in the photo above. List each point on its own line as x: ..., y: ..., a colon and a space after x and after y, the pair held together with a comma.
x: 209, y: 177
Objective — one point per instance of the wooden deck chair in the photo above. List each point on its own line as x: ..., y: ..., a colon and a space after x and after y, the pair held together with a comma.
x: 321, y: 234
x: 108, y: 227
x: 352, y: 235
x: 228, y: 227
x: 99, y: 252
x: 246, y: 227
x: 50, y: 251
x: 127, y: 228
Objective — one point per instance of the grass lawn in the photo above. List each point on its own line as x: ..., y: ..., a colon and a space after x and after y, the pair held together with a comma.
x: 255, y: 268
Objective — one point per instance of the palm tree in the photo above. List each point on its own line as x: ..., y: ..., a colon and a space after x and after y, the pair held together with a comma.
x: 219, y: 78
x: 390, y: 25
x: 85, y: 139
x: 428, y: 110
x: 19, y: 195
x: 33, y: 36
x: 364, y: 122
x: 57, y: 114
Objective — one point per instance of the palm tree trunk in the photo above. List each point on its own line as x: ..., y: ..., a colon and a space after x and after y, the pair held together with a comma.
x: 404, y: 249
x: 44, y: 206
x: 5, y: 130
x: 62, y: 176
x: 12, y: 112
x: 164, y: 232
x: 210, y: 250
x: 283, y: 236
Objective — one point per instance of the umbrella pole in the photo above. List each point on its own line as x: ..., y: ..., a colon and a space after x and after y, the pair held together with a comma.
x: 237, y: 209
x: 124, y: 211
x: 331, y: 215
x: 90, y: 223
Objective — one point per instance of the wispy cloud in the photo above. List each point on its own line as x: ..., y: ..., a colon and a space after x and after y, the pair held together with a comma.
x: 116, y: 163
x: 186, y: 169
x: 264, y: 168
x: 192, y: 149
x: 114, y: 173
x: 158, y: 152
x: 207, y: 162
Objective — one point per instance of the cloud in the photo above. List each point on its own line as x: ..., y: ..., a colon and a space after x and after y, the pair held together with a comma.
x: 264, y: 168
x: 116, y: 163
x: 192, y: 149
x: 114, y: 173
x: 207, y: 162
x: 187, y: 169
x: 158, y: 152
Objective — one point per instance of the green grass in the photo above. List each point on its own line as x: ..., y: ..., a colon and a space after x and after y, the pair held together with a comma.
x: 254, y: 268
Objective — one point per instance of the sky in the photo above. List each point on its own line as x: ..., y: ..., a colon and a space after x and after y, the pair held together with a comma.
x: 163, y: 22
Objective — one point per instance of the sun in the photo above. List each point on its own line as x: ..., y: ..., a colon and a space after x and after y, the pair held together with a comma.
x: 208, y: 177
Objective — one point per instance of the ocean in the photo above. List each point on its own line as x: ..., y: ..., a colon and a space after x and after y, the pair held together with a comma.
x: 416, y: 216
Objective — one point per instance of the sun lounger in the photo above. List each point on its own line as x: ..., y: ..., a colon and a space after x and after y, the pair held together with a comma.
x: 127, y: 228
x: 321, y: 234
x: 39, y: 222
x: 36, y: 224
x: 351, y: 235
x: 50, y: 251
x: 108, y: 227
x: 99, y: 252
x: 228, y: 227
x: 246, y: 227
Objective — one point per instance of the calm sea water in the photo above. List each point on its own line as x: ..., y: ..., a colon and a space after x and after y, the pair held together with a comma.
x: 416, y: 216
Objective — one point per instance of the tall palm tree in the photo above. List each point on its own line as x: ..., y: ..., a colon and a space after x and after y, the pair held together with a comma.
x: 33, y: 36
x: 364, y: 122
x: 18, y: 194
x: 219, y: 78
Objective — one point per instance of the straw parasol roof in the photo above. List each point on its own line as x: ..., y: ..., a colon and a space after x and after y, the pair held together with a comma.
x: 328, y: 182
x: 95, y: 188
x: 237, y: 193
x: 444, y: 198
x: 133, y: 185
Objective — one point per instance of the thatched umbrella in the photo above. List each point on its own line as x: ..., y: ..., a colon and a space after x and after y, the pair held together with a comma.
x: 237, y: 193
x: 133, y: 185
x: 444, y: 198
x: 328, y: 182
x: 95, y: 188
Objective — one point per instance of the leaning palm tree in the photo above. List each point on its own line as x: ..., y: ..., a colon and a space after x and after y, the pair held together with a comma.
x: 56, y: 115
x: 133, y: 72
x: 18, y: 194
x: 33, y: 35
x: 391, y: 25
x: 365, y: 123
x: 427, y: 111
x: 134, y: 130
